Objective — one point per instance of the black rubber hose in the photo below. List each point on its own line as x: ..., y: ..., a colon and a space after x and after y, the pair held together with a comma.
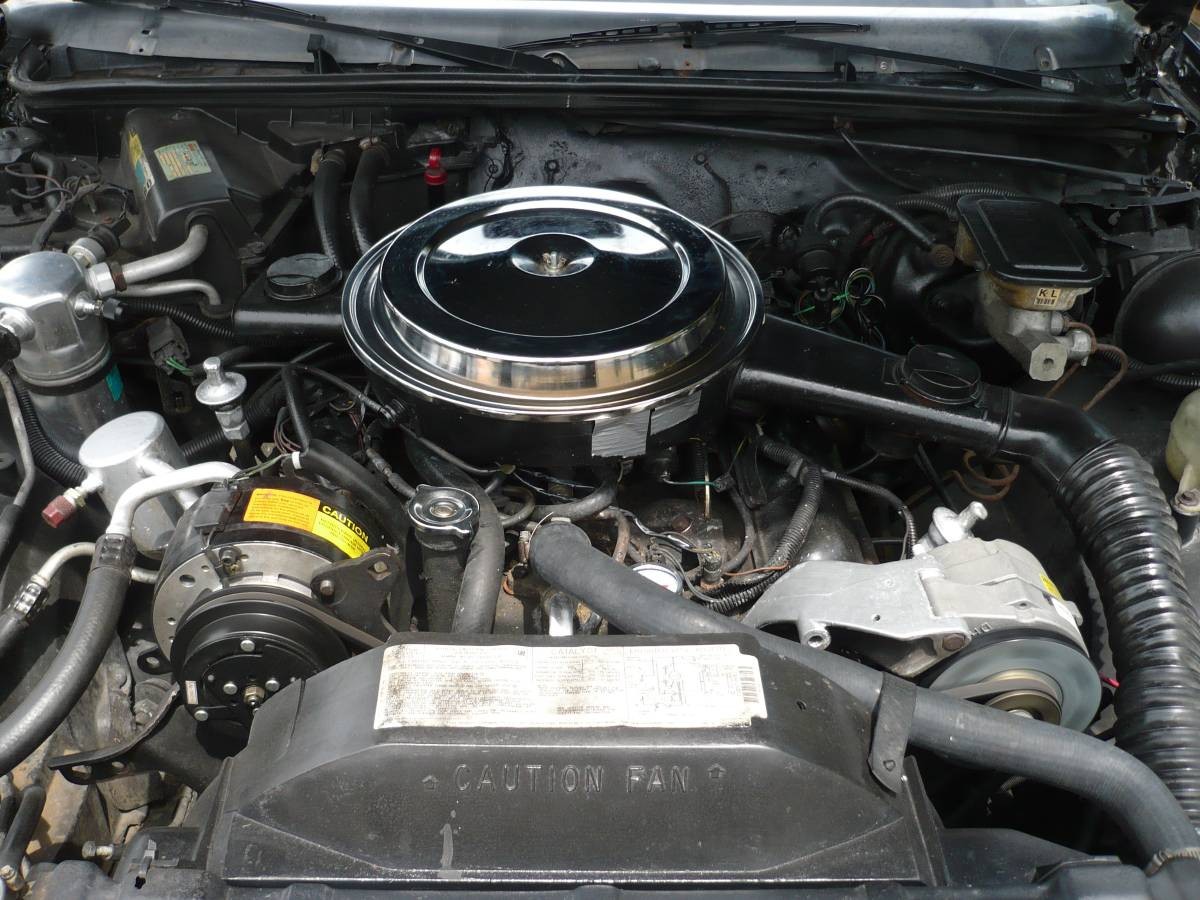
x: 964, y: 732
x: 327, y: 187
x: 1106, y: 490
x: 584, y: 508
x: 59, y: 689
x: 48, y: 457
x: 12, y: 626
x: 331, y: 463
x: 146, y: 307
x: 483, y: 572
x: 20, y: 832
x: 8, y: 809
x: 293, y: 398
x: 371, y: 164
x: 52, y: 167
x: 55, y: 168
x: 528, y: 502
x: 395, y: 482
x: 812, y: 221
x: 1129, y: 539
x: 10, y: 515
x: 882, y: 493
x: 46, y: 229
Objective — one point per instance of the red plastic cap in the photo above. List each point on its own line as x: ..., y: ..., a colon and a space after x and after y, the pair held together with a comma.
x: 434, y: 173
x: 58, y: 510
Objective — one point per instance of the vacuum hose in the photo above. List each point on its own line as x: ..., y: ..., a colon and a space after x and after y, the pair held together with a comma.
x: 371, y: 165
x: 964, y: 732
x: 326, y: 187
x: 1107, y: 491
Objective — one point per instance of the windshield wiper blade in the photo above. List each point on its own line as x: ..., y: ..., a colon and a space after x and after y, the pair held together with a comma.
x: 689, y: 30
x: 793, y: 33
x: 502, y: 58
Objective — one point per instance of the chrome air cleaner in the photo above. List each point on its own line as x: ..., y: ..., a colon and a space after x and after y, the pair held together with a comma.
x: 553, y: 324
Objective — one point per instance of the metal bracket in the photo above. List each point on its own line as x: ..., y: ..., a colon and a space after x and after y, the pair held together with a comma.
x: 91, y: 766
x: 355, y: 590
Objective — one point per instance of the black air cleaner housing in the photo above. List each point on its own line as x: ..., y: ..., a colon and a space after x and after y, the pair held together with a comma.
x: 553, y: 325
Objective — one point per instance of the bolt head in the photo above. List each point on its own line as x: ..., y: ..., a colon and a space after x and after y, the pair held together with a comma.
x: 326, y: 587
x: 247, y: 645
x: 953, y: 642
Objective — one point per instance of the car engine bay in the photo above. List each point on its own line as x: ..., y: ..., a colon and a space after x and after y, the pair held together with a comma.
x: 483, y: 496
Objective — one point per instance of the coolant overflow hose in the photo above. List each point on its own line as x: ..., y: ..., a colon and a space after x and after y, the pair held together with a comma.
x: 1107, y: 491
x: 959, y: 730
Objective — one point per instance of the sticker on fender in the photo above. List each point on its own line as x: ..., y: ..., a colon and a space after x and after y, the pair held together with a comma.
x: 506, y: 686
x: 309, y: 514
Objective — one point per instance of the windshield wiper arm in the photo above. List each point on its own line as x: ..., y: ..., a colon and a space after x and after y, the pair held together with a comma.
x: 689, y: 30
x: 1039, y: 81
x: 505, y: 59
x: 793, y: 33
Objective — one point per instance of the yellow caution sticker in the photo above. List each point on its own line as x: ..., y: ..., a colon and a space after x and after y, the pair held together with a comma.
x: 1051, y: 587
x: 294, y: 510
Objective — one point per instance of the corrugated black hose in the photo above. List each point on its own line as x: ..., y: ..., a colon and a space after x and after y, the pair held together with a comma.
x: 147, y: 307
x: 1128, y: 537
x: 48, y: 457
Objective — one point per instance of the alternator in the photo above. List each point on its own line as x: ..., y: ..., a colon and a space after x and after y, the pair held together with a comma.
x: 979, y: 619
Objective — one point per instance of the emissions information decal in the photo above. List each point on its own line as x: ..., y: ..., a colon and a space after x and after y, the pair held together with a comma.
x: 678, y: 686
x: 181, y: 160
x: 308, y: 514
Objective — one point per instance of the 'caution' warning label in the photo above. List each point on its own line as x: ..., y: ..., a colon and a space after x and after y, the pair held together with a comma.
x: 295, y: 510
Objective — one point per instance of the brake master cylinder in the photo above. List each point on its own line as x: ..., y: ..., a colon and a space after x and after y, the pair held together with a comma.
x: 1034, y: 265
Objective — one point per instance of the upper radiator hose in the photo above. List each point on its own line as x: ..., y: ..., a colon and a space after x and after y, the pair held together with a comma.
x: 1107, y: 491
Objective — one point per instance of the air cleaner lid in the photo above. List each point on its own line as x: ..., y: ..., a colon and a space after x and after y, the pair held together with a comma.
x: 549, y: 300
